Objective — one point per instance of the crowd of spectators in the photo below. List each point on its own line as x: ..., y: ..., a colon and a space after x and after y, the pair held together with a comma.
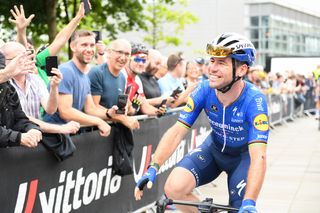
x: 85, y: 90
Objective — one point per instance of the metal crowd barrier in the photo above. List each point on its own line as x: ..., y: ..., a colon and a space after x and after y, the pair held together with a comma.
x: 283, y: 108
x: 34, y: 181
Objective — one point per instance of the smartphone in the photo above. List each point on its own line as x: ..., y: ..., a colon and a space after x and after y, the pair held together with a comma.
x: 176, y: 92
x: 164, y: 101
x: 87, y: 8
x: 51, y: 62
x: 122, y: 102
x: 98, y: 35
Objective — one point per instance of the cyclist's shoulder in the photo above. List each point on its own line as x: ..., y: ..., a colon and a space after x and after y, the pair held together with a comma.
x: 252, y: 92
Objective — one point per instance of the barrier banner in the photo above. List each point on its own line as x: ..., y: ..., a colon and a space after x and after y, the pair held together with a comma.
x: 33, y: 180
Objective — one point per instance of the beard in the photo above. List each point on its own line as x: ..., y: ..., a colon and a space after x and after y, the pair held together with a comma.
x: 151, y: 70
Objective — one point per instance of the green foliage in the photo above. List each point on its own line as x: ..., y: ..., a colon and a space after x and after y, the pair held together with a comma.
x: 111, y: 16
x: 166, y: 23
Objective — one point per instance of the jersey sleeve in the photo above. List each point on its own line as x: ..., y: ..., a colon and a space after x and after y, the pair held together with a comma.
x: 194, y: 106
x: 258, y: 120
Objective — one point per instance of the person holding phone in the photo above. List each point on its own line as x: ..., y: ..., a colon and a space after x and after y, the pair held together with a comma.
x: 137, y: 65
x: 33, y: 93
x: 75, y: 99
x: 171, y: 84
x: 52, y: 49
x: 108, y: 83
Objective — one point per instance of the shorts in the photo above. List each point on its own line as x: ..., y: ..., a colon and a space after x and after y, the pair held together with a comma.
x: 206, y: 163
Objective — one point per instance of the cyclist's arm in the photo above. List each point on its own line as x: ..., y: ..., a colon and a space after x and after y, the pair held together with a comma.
x: 256, y: 171
x: 169, y: 142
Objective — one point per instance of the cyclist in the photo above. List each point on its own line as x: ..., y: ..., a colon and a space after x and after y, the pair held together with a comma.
x: 237, y: 112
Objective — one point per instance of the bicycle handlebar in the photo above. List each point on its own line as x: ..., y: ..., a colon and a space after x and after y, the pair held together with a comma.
x: 205, y: 206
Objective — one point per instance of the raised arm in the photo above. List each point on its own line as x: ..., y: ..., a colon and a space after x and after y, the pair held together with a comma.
x: 63, y: 36
x: 21, y: 23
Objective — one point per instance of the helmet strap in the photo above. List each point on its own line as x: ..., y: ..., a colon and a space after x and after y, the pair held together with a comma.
x: 234, y: 78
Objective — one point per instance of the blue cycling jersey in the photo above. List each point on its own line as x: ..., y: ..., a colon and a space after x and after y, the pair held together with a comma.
x: 243, y: 122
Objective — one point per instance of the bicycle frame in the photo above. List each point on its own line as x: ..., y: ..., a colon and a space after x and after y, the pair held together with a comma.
x: 205, y: 206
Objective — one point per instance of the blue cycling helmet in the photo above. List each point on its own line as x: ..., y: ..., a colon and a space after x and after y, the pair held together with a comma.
x: 234, y: 45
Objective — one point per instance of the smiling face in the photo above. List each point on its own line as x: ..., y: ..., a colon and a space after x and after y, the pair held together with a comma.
x: 137, y: 63
x: 119, y: 53
x: 220, y: 71
x: 193, y: 71
x: 83, y: 49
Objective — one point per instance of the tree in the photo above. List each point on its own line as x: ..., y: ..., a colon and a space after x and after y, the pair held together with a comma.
x: 113, y: 16
x: 166, y: 23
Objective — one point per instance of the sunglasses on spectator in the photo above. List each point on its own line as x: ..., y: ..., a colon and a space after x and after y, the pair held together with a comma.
x: 139, y: 60
x: 218, y: 51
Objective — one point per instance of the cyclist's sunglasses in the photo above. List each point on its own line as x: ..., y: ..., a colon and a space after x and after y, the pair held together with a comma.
x: 218, y: 51
x: 139, y: 60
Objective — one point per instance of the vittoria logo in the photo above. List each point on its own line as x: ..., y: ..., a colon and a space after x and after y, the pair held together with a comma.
x: 94, y: 186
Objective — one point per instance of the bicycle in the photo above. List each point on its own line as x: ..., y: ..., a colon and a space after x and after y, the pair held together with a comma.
x: 206, y: 205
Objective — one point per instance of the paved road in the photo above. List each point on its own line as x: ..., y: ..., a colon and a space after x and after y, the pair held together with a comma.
x: 292, y: 183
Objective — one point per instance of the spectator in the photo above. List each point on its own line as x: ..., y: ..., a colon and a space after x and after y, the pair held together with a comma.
x: 60, y: 40
x: 150, y: 85
x: 201, y: 63
x: 135, y: 66
x: 16, y: 66
x: 192, y: 74
x: 171, y: 81
x: 107, y: 81
x: 75, y: 101
x: 15, y: 128
x: 163, y: 69
x: 252, y: 75
x: 33, y: 93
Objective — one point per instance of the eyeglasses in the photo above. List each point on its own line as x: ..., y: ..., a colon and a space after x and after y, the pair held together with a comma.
x: 218, y: 51
x: 139, y: 60
x: 121, y: 53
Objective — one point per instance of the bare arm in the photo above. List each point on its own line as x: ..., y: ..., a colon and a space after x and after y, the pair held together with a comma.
x: 169, y: 142
x: 67, y: 112
x: 128, y: 121
x: 50, y: 103
x: 256, y: 171
x: 93, y: 109
x: 71, y: 127
x: 63, y: 36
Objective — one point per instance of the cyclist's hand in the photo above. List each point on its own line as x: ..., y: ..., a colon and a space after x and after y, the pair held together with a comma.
x: 147, y: 179
x: 248, y: 206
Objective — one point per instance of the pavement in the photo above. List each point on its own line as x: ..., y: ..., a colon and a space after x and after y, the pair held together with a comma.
x: 292, y: 182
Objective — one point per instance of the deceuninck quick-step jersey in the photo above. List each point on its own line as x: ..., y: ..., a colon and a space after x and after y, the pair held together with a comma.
x: 243, y: 122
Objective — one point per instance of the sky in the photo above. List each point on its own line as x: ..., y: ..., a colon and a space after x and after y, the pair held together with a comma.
x: 313, y: 5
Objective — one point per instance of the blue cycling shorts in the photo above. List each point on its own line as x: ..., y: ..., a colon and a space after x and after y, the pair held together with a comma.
x: 206, y: 162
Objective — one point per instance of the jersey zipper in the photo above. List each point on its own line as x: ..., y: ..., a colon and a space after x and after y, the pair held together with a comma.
x: 223, y: 129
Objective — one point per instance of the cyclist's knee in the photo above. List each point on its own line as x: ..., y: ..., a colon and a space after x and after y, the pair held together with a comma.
x: 179, y: 183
